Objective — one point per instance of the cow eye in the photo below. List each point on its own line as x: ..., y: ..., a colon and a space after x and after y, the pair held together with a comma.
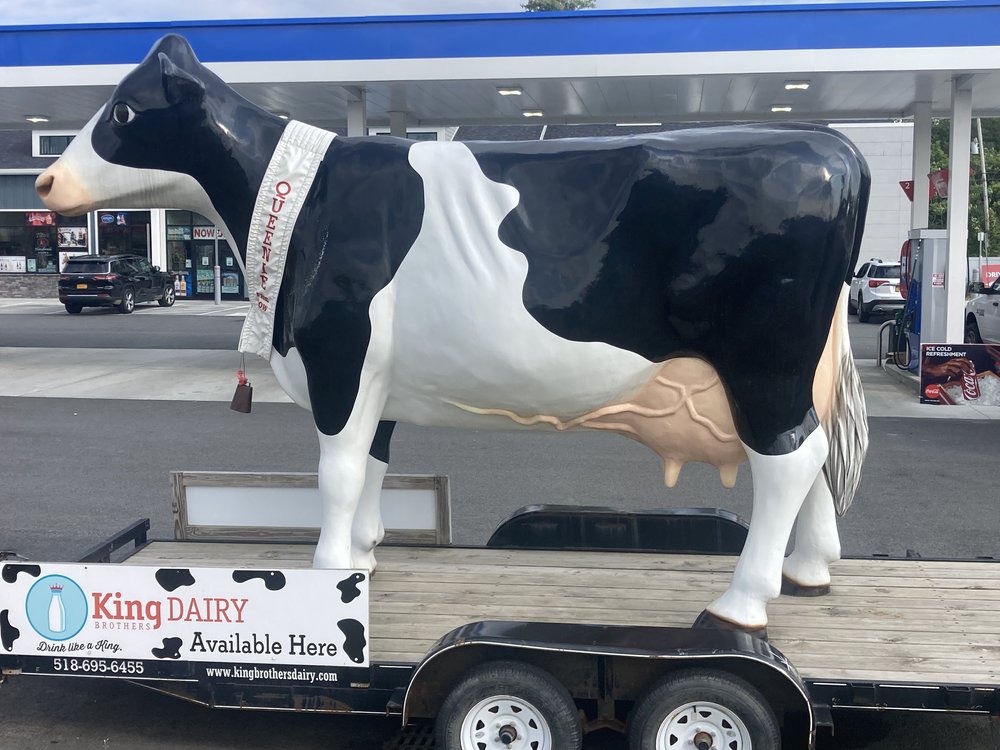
x: 122, y: 113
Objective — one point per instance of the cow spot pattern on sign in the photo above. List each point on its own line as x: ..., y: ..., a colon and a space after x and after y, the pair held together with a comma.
x: 349, y: 590
x: 11, y: 570
x: 354, y: 643
x: 171, y: 649
x: 174, y: 578
x: 274, y: 580
x: 8, y: 633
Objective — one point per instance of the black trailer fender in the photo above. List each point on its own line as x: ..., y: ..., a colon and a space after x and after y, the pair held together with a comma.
x: 605, y: 665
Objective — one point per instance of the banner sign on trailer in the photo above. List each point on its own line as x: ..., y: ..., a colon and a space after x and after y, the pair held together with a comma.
x: 114, y: 619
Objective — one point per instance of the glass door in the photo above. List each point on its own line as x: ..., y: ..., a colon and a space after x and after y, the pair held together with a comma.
x: 232, y: 276
x: 203, y: 255
x: 180, y: 264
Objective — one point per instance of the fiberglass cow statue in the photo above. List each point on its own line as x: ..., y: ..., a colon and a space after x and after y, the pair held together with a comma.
x: 685, y: 289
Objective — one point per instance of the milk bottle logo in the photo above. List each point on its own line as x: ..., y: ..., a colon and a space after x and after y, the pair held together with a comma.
x: 56, y: 607
x: 57, y: 612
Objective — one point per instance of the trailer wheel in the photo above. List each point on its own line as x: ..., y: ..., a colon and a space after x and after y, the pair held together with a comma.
x: 506, y: 705
x: 703, y: 710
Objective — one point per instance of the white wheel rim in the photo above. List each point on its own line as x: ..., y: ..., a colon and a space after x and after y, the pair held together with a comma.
x: 491, y: 721
x: 692, y: 725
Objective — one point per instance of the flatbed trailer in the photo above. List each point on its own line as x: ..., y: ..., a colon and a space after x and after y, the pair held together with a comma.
x: 893, y: 634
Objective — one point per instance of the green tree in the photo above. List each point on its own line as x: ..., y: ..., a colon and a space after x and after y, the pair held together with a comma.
x: 940, y: 136
x: 534, y: 5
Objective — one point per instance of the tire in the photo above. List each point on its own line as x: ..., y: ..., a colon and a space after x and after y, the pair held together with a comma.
x: 127, y: 304
x: 972, y: 331
x: 73, y: 309
x: 864, y: 312
x: 508, y: 705
x: 167, y: 298
x: 703, y: 709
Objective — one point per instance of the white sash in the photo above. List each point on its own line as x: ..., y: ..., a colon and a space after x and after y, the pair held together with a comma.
x: 286, y: 183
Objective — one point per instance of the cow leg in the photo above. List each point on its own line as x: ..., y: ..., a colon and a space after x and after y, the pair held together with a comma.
x: 343, y: 468
x: 368, y: 530
x: 817, y: 544
x: 780, y: 485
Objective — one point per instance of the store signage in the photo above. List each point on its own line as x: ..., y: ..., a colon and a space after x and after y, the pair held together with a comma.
x: 41, y: 219
x: 178, y: 233
x: 107, y: 218
x: 72, y: 237
x: 208, y: 233
x: 115, y: 620
x: 12, y: 264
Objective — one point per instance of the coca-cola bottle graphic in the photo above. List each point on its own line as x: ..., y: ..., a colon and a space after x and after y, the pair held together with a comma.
x: 57, y: 612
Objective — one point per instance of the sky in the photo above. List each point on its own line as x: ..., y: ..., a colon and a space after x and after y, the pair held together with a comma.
x: 89, y: 11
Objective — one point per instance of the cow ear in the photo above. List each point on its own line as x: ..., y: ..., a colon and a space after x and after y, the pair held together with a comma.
x: 178, y: 84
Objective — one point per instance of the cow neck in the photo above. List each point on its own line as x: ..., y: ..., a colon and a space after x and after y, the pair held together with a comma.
x: 281, y: 195
x: 234, y: 179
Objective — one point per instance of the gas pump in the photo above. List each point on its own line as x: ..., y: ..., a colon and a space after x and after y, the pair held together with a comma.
x: 922, y: 261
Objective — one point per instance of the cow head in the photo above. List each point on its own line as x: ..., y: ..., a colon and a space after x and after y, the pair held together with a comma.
x: 150, y: 145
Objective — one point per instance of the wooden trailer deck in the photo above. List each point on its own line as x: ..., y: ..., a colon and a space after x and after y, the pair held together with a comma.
x: 886, y: 621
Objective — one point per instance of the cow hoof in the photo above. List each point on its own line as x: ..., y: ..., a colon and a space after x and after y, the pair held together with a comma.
x: 707, y: 621
x: 791, y: 588
x: 364, y: 561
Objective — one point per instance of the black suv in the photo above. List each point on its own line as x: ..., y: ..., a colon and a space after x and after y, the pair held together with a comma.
x: 113, y: 280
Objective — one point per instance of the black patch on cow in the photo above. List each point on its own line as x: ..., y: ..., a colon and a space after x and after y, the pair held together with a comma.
x: 274, y: 580
x: 726, y: 243
x: 173, y: 578
x: 380, y: 445
x: 354, y: 639
x: 349, y: 590
x: 11, y: 571
x: 171, y: 649
x: 362, y: 215
x: 8, y: 633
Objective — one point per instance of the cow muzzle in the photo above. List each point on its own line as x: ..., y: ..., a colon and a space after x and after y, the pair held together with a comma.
x: 60, y: 192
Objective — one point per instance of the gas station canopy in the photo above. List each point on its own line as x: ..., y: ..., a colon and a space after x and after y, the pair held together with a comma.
x: 861, y: 60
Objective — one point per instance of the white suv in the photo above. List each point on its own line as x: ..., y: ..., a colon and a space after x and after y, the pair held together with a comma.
x: 875, y: 288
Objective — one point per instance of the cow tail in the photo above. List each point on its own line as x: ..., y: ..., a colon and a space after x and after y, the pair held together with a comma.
x: 847, y: 423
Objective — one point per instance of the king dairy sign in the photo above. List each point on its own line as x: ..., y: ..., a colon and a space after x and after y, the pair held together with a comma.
x: 97, y: 618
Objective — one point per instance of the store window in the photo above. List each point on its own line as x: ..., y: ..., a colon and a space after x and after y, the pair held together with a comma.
x: 123, y: 233
x: 50, y: 142
x: 39, y: 241
x: 194, y: 247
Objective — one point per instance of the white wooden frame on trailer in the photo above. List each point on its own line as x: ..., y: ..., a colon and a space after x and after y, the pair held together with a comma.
x: 301, y: 490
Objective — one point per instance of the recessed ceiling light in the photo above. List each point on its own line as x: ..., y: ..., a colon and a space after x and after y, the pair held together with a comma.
x: 509, y: 90
x: 532, y: 113
x: 36, y: 118
x: 796, y: 85
x: 781, y: 108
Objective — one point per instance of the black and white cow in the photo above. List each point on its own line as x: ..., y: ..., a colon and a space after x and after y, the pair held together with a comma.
x: 685, y: 289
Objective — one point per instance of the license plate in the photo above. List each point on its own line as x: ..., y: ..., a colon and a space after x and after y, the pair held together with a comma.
x: 81, y: 286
